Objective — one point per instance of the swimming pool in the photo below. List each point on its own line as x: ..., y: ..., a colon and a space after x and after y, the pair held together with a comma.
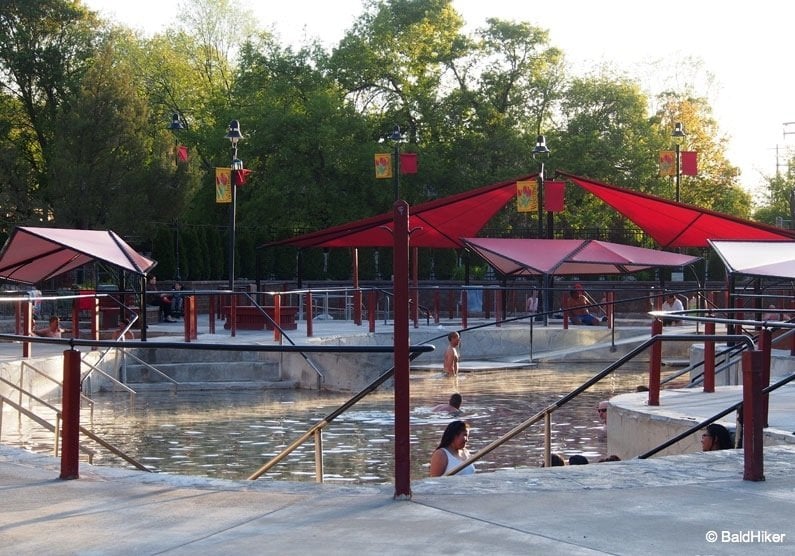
x: 230, y: 434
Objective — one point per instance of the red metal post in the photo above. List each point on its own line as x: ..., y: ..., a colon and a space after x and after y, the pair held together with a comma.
x: 372, y: 302
x: 27, y: 328
x: 277, y: 316
x: 709, y: 358
x: 655, y: 363
x: 76, y: 321
x: 565, y: 312
x: 401, y: 335
x: 451, y: 304
x: 464, y: 309
x: 610, y: 310
x: 94, y: 319
x: 309, y: 311
x: 70, y: 416
x: 753, y: 439
x: 357, y: 293
x: 765, y: 344
x: 486, y: 305
x: 436, y: 305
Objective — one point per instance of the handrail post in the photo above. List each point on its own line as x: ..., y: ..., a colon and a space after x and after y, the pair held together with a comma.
x: 610, y: 310
x: 319, y: 471
x: 765, y: 344
x: 655, y: 363
x: 94, y: 320
x: 464, y: 308
x: 372, y: 302
x: 70, y: 452
x: 309, y: 310
x: 27, y: 328
x: 277, y: 317
x: 212, y: 310
x: 548, y: 439
x: 233, y: 314
x: 498, y: 308
x: 753, y: 438
x: 709, y: 358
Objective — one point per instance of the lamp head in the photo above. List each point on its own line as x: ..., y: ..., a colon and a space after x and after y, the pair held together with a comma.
x: 396, y: 135
x: 234, y: 134
x: 176, y: 123
x: 541, y: 146
x: 679, y: 130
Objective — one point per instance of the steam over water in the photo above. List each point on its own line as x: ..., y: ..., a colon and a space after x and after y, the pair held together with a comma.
x: 231, y: 434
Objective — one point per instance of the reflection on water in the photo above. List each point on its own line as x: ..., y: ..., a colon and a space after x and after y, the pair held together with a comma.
x: 231, y: 434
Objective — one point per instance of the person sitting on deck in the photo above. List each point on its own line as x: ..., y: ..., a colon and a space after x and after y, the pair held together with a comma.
x: 577, y: 311
x: 672, y: 303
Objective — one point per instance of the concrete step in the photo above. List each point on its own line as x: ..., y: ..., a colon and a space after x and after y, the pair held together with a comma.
x: 226, y: 371
x: 214, y: 385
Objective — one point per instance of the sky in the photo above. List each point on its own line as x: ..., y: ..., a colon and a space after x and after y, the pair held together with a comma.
x: 741, y: 51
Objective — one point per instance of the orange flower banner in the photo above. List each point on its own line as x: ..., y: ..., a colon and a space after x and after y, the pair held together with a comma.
x: 223, y: 185
x: 526, y: 196
x: 383, y: 165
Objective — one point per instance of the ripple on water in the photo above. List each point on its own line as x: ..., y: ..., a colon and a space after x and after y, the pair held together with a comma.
x: 232, y: 434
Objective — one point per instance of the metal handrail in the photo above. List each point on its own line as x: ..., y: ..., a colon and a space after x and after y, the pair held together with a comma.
x: 587, y: 384
x: 315, y: 430
x: 54, y: 428
x: 26, y: 365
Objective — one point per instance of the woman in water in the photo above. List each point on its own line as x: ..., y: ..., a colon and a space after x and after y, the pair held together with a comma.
x: 716, y: 437
x: 452, y: 450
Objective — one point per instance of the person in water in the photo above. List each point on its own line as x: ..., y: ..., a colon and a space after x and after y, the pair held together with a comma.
x: 452, y: 451
x: 453, y: 406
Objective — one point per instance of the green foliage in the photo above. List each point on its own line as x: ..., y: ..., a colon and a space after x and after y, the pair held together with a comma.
x: 84, y: 138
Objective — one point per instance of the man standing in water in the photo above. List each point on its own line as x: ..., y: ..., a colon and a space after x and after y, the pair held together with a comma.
x: 451, y: 355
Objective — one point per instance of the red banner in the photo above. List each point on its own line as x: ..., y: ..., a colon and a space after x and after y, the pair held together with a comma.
x: 689, y: 163
x: 408, y: 163
x: 182, y: 153
x: 554, y: 195
x: 239, y: 177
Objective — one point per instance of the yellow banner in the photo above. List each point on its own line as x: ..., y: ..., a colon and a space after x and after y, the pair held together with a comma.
x: 383, y: 165
x: 223, y: 185
x: 526, y: 196
x: 667, y: 163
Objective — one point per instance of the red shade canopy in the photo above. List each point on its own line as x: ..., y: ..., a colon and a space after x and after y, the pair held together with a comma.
x: 673, y: 224
x: 439, y: 223
x: 772, y: 259
x: 532, y: 257
x: 34, y: 254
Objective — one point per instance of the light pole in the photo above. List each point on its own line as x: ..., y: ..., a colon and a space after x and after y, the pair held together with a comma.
x: 678, y: 134
x: 541, y: 151
x: 176, y: 126
x: 234, y: 136
x: 397, y: 138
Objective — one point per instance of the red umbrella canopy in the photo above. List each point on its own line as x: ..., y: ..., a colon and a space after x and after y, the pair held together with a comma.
x: 439, y: 223
x: 34, y: 254
x: 532, y: 257
x: 673, y: 224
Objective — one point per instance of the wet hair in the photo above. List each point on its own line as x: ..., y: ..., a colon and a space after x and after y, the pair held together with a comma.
x: 452, y: 430
x: 578, y: 459
x: 721, y: 436
x: 55, y: 318
x: 452, y: 335
x: 556, y: 461
x: 642, y: 388
x: 612, y: 457
x: 455, y: 400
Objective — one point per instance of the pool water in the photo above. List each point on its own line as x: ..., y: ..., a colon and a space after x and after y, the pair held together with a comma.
x: 231, y: 434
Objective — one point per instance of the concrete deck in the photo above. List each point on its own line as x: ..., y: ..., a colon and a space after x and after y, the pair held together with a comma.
x: 657, y: 506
